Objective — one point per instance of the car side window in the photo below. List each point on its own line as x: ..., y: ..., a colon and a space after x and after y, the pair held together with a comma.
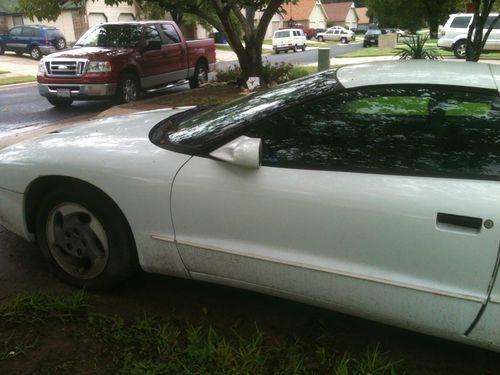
x: 27, y: 31
x: 412, y: 131
x: 16, y: 31
x: 170, y: 34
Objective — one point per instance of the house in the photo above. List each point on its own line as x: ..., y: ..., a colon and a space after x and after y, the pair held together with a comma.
x: 363, y: 19
x: 74, y: 19
x: 308, y: 13
x: 342, y: 14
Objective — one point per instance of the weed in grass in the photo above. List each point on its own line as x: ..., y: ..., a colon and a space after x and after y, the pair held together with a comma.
x: 12, y: 346
x: 39, y: 307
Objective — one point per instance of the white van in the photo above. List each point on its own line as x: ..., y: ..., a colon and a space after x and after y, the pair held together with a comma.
x: 454, y: 34
x: 289, y: 39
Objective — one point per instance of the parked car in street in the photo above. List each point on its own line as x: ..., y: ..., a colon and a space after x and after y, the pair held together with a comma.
x: 336, y: 33
x: 371, y: 37
x: 121, y: 59
x: 454, y: 34
x: 371, y: 189
x: 289, y: 40
x: 399, y: 32
x: 36, y: 40
x: 310, y: 33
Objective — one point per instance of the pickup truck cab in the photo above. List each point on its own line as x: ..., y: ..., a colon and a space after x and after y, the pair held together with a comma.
x: 121, y: 59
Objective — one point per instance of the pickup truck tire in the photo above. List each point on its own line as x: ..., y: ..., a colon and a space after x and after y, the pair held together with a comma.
x: 459, y: 49
x: 200, y: 76
x: 320, y: 39
x: 60, y: 102
x: 35, y: 53
x: 128, y: 88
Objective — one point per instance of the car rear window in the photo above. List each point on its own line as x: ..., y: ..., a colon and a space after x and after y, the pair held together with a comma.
x: 55, y: 33
x: 460, y: 22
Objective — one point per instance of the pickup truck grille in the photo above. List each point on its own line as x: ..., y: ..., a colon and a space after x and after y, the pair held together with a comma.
x: 65, y: 68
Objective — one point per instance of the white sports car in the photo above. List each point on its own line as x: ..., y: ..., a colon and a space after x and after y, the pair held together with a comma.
x: 371, y: 189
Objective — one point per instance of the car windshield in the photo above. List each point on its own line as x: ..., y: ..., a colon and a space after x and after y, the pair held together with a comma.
x: 373, y: 32
x: 125, y: 36
x: 207, y: 127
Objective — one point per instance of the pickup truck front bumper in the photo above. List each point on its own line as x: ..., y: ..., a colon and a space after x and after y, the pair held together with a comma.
x: 70, y: 91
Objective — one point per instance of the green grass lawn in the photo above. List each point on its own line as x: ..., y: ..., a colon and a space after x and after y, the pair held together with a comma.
x: 18, y: 79
x: 4, y: 72
x: 68, y: 334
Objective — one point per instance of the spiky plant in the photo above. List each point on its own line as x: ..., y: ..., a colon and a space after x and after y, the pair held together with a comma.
x: 414, y: 48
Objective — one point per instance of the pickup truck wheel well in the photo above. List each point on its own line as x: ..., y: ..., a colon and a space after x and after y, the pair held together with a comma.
x: 39, y: 188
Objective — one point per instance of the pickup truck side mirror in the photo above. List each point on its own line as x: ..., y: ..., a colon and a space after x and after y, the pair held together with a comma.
x: 152, y: 44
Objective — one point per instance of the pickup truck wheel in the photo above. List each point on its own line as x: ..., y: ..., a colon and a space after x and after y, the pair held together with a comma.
x: 320, y: 39
x: 459, y: 49
x: 35, y: 53
x: 85, y: 238
x: 200, y: 76
x: 128, y: 88
x: 60, y: 102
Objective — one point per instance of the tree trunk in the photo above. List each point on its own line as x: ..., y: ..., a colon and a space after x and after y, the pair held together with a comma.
x: 433, y: 27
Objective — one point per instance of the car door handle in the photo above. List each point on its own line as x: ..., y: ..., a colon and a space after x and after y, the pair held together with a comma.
x: 459, y: 222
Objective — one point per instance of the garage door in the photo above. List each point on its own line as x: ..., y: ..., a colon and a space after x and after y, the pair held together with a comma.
x: 125, y: 17
x: 96, y: 19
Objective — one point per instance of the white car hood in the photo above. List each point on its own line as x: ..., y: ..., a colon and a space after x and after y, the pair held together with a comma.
x: 109, y: 144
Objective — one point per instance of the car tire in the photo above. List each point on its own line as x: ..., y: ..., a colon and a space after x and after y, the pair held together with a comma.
x: 60, y: 43
x: 85, y: 238
x: 128, y: 88
x: 35, y: 53
x: 321, y: 39
x: 60, y: 102
x: 459, y: 49
x: 343, y: 40
x: 295, y: 49
x: 200, y: 76
x: 303, y: 47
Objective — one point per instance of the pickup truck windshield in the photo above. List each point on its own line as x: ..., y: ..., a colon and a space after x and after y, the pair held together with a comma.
x: 124, y: 36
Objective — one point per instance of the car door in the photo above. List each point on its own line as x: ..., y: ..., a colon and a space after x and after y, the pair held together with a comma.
x: 153, y: 60
x: 176, y: 67
x: 379, y: 203
x: 14, y: 42
x: 329, y: 35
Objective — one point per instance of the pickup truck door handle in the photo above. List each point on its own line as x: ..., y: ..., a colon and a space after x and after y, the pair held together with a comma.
x: 450, y: 221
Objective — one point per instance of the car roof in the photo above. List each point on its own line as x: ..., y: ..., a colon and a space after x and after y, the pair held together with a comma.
x: 448, y: 73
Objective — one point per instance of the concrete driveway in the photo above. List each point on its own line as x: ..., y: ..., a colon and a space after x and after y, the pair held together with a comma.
x: 18, y: 65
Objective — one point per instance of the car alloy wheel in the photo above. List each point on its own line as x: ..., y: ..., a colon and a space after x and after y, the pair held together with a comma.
x: 35, y: 53
x: 460, y: 49
x: 128, y: 88
x: 77, y: 241
x: 200, y: 76
x: 61, y: 43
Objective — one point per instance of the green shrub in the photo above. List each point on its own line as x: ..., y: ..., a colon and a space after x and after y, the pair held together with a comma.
x: 414, y: 48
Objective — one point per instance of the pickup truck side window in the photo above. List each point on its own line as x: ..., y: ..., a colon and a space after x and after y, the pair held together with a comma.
x: 170, y: 34
x: 151, y: 34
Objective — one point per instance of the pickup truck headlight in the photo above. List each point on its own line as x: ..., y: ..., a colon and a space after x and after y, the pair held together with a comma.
x: 41, y: 67
x: 99, y: 67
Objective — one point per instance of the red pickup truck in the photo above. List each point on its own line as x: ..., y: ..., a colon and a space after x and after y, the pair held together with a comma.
x: 121, y: 59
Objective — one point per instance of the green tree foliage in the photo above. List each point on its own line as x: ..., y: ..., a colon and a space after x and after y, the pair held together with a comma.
x: 411, y: 14
x: 475, y: 37
x: 242, y: 22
